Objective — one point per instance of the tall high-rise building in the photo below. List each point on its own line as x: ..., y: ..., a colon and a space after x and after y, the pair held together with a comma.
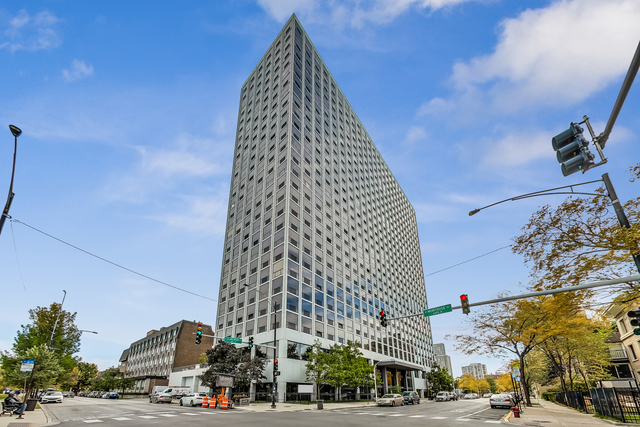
x: 320, y: 237
x: 478, y: 370
x: 441, y: 357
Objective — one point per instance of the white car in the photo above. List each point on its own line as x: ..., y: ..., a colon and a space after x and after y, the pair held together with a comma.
x: 442, y: 396
x: 391, y: 400
x: 192, y: 399
x: 502, y: 399
x: 52, y: 397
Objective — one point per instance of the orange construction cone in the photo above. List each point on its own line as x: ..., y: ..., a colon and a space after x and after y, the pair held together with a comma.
x: 225, y: 403
x: 212, y: 402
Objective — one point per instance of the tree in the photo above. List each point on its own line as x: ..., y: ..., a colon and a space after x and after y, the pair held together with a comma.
x: 106, y: 380
x: 88, y: 372
x: 482, y: 386
x: 225, y: 358
x: 493, y: 388
x: 582, y: 241
x: 505, y: 383
x: 71, y: 379
x: 439, y: 379
x: 45, y: 372
x: 467, y: 383
x: 317, y: 366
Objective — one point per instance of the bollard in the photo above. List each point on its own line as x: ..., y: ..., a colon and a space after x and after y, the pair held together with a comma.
x: 205, y: 402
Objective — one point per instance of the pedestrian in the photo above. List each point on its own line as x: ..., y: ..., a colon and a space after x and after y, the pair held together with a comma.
x: 11, y: 401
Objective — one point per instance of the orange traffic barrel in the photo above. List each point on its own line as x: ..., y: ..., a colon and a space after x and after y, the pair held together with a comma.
x: 225, y: 403
x: 205, y: 402
x: 212, y: 403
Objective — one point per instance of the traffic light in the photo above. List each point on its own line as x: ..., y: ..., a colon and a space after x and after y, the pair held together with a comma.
x: 383, y: 319
x: 464, y: 302
x: 250, y: 342
x: 572, y: 150
x: 275, y: 367
x: 635, y: 320
x: 199, y: 333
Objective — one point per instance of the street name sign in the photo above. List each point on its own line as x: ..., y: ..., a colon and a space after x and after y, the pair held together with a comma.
x: 233, y: 340
x: 27, y: 365
x: 437, y: 310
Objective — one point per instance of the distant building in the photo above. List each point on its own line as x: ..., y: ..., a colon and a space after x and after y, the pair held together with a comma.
x: 494, y: 376
x: 478, y: 370
x: 441, y: 357
x: 150, y: 360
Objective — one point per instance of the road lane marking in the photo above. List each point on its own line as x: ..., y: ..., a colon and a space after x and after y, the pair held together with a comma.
x: 92, y: 421
x: 168, y: 415
x: 438, y: 418
x: 147, y: 417
x: 396, y: 415
x: 463, y: 419
x: 189, y: 413
x: 121, y: 419
x: 493, y: 422
x: 416, y: 416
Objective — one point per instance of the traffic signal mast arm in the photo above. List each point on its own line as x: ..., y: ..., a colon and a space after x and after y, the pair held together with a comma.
x: 535, y: 294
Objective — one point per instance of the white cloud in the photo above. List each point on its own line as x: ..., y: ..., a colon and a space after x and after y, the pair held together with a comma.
x: 415, y: 134
x: 203, y: 215
x: 31, y: 32
x: 516, y: 149
x: 350, y: 13
x: 552, y: 56
x: 77, y: 71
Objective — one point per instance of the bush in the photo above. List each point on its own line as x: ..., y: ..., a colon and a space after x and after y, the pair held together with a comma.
x: 549, y: 396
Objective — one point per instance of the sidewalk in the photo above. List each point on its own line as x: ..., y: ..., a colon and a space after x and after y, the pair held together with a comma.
x: 550, y: 414
x: 35, y: 418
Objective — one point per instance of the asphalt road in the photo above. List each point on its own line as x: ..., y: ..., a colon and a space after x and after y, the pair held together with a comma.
x: 81, y: 411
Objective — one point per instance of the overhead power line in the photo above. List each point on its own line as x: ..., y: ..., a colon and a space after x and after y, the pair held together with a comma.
x: 113, y: 263
x: 469, y: 260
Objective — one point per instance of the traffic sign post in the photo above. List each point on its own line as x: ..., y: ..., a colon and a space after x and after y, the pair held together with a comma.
x: 437, y: 310
x: 233, y: 340
x: 27, y: 365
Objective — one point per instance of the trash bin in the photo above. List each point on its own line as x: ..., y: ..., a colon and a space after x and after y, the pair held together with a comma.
x: 320, y: 404
x: 31, y: 404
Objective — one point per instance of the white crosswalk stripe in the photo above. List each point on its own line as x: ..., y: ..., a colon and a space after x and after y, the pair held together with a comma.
x: 122, y: 419
x: 92, y: 421
x: 397, y: 415
x: 463, y: 419
x: 438, y: 418
x: 493, y: 422
x: 416, y: 416
x: 168, y: 415
x: 147, y: 417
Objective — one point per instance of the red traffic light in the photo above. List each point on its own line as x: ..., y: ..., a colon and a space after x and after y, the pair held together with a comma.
x: 275, y: 360
x: 382, y: 314
x: 199, y: 323
x: 463, y: 297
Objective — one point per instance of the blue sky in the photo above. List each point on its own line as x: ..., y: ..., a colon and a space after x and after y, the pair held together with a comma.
x: 128, y: 115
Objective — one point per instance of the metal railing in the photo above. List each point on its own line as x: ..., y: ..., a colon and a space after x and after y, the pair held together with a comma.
x: 622, y: 404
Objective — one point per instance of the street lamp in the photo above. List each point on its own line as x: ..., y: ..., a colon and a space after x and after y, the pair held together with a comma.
x: 375, y: 382
x: 5, y: 213
x: 275, y: 356
x: 84, y: 330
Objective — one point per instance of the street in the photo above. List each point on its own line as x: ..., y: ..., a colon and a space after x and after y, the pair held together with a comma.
x: 80, y: 411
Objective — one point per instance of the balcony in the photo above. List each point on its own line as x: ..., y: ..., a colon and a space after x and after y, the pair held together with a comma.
x: 618, y: 354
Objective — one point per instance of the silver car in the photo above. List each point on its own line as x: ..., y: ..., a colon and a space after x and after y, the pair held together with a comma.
x: 502, y: 399
x: 192, y: 399
x: 391, y: 400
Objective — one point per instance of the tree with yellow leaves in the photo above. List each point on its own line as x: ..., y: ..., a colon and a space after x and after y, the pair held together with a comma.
x: 468, y: 383
x: 504, y: 383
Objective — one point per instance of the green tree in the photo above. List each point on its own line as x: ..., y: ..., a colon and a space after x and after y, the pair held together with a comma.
x: 439, y: 379
x: 45, y: 372
x: 317, y: 366
x: 493, y: 388
x: 88, y: 372
x: 225, y: 358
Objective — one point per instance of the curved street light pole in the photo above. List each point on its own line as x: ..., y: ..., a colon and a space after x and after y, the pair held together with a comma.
x: 5, y: 213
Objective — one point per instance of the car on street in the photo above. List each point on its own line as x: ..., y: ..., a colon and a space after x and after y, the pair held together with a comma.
x: 453, y: 396
x: 411, y: 397
x: 391, y: 400
x: 502, y: 399
x: 443, y: 396
x: 113, y: 395
x: 471, y: 396
x: 192, y: 399
x: 52, y: 397
x: 487, y: 395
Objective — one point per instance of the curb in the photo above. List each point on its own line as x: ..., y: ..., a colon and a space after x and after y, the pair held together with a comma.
x: 52, y: 420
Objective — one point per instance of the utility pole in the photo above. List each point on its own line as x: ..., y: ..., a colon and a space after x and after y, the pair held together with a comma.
x: 51, y: 341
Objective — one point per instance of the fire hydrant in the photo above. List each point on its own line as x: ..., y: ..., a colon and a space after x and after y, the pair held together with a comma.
x: 516, y: 411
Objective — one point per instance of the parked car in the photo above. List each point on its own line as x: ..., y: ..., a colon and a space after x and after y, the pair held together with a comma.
x: 192, y: 399
x: 487, y: 395
x: 52, y: 397
x: 411, y: 397
x: 442, y: 396
x: 471, y: 396
x: 502, y: 399
x: 104, y: 395
x: 391, y: 400
x: 113, y: 395
x: 453, y: 396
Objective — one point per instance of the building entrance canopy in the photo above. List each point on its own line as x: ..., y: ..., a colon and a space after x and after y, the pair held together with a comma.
x: 401, y: 365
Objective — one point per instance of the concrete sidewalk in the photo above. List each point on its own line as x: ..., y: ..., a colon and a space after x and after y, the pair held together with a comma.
x: 550, y: 414
x: 35, y: 418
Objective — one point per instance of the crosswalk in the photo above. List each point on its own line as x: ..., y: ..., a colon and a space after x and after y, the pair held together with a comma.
x: 461, y: 419
x: 148, y: 416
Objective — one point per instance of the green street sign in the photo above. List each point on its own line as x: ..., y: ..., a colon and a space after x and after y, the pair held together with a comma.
x: 239, y: 340
x: 437, y: 310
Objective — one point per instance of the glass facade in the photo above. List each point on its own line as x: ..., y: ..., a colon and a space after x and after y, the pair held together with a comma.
x: 317, y: 224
